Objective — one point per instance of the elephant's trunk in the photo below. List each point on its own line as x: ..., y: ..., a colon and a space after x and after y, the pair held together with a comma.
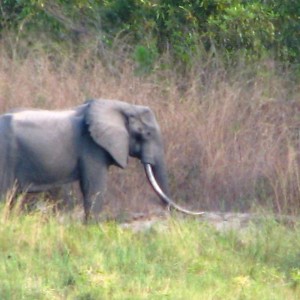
x: 153, y: 154
x: 162, y: 188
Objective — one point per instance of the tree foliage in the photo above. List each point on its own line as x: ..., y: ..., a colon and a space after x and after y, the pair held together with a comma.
x: 178, y: 28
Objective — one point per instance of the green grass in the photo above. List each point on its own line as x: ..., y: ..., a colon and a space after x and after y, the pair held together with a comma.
x: 40, y: 258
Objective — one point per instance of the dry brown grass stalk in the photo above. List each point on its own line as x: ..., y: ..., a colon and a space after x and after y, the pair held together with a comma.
x: 230, y: 144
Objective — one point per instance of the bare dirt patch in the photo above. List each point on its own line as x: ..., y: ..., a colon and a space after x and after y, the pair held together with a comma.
x: 219, y: 220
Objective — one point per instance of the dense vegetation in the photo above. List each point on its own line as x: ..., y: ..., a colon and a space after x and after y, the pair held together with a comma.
x: 223, y: 80
x: 222, y: 77
x: 180, y: 29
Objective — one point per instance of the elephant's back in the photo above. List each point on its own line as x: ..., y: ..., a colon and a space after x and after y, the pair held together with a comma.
x: 41, y: 116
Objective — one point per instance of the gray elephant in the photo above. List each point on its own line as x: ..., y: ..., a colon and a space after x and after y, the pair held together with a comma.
x: 41, y: 149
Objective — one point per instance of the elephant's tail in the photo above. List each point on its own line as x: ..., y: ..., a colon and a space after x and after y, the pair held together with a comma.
x: 6, y: 155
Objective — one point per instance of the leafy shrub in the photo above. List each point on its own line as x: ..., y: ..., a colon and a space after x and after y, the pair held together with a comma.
x: 176, y: 27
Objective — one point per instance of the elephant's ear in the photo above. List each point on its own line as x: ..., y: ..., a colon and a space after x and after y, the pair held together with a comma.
x: 107, y: 127
x: 148, y: 117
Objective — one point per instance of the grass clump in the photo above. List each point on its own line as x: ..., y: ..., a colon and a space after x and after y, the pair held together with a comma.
x: 40, y: 258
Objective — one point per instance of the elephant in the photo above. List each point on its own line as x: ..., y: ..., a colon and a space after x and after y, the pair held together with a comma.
x: 45, y: 149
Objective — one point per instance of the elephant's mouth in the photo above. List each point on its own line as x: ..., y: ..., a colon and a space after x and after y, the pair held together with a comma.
x: 163, y: 196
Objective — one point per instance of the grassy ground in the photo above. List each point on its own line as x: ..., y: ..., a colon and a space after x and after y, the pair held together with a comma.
x: 40, y: 258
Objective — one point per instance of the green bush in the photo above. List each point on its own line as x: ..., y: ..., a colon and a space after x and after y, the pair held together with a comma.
x: 175, y: 27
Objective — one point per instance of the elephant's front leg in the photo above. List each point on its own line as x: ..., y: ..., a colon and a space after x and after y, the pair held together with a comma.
x: 93, y: 187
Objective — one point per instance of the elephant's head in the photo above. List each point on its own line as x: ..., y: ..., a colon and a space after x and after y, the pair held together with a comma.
x: 126, y: 130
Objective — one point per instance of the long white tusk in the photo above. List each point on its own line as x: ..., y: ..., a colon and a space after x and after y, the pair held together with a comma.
x: 163, y: 196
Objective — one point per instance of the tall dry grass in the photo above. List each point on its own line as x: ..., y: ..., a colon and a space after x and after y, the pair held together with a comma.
x: 232, y: 141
